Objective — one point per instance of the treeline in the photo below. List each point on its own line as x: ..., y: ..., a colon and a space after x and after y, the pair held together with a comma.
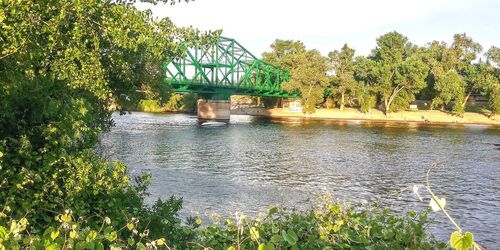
x: 393, y: 75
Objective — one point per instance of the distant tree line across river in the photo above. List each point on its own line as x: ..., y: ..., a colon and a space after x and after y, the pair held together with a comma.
x: 393, y: 75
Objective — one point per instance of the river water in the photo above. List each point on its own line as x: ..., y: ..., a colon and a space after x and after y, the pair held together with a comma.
x: 254, y: 162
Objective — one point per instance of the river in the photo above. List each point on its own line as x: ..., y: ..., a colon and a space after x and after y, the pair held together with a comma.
x: 255, y: 162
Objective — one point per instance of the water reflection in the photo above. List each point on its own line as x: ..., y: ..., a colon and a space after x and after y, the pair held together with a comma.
x: 248, y: 164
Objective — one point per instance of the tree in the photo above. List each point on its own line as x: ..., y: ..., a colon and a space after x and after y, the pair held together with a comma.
x: 449, y: 87
x: 343, y: 65
x: 465, y: 50
x: 493, y: 55
x: 307, y: 69
x: 365, y: 90
x: 399, y: 71
x: 446, y: 84
x: 62, y: 63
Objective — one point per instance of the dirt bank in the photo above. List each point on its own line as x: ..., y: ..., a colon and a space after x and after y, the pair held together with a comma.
x: 421, y: 116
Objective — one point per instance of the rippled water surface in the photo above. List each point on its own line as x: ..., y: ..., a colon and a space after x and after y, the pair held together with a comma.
x: 252, y: 162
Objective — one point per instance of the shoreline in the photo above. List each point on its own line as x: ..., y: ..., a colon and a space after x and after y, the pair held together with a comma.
x: 422, y: 117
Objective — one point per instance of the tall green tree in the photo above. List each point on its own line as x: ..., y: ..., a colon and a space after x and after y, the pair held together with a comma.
x: 366, y: 93
x: 62, y: 63
x: 307, y: 69
x: 343, y: 82
x: 465, y: 50
x: 493, y: 56
x: 446, y: 84
x: 399, y: 71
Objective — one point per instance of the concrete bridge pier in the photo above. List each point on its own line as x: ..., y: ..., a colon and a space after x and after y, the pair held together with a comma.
x: 218, y: 110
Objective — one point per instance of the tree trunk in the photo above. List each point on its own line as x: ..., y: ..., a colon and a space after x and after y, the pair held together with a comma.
x: 386, y: 106
x: 391, y: 98
x: 466, y: 99
x: 342, y: 101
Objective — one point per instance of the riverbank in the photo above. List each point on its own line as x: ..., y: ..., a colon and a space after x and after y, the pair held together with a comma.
x: 420, y: 116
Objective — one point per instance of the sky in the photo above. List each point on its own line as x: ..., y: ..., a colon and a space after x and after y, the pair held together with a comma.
x: 327, y: 25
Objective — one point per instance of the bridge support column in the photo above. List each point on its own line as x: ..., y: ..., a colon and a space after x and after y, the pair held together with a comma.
x: 214, y: 110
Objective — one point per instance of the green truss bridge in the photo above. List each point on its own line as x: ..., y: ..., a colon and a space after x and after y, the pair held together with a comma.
x: 217, y: 71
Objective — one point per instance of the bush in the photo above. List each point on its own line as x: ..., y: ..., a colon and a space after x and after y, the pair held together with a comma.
x: 327, y: 226
x: 494, y: 100
x: 72, y: 233
x: 176, y: 102
x: 149, y: 106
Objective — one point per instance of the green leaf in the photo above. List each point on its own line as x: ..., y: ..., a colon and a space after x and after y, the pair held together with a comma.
x: 66, y: 218
x: 99, y: 246
x: 140, y: 246
x: 111, y: 236
x: 91, y: 236
x: 130, y: 241
x: 54, y: 234
x: 272, y: 210
x: 276, y: 238
x: 198, y: 221
x: 290, y: 236
x: 3, y: 232
x: 254, y: 234
x: 266, y: 246
x: 53, y: 246
x: 461, y: 242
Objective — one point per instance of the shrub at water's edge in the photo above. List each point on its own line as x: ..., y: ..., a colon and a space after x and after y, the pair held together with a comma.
x: 328, y: 225
x: 175, y: 103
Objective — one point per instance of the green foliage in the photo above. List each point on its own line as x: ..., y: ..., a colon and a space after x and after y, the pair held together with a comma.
x: 493, y: 55
x: 462, y: 242
x: 395, y: 73
x: 326, y: 226
x: 453, y: 76
x: 398, y: 72
x: 176, y: 102
x: 307, y: 69
x: 366, y: 98
x: 449, y: 87
x: 493, y: 99
x: 189, y: 102
x: 343, y: 83
x: 70, y: 232
x: 62, y: 64
x: 149, y: 106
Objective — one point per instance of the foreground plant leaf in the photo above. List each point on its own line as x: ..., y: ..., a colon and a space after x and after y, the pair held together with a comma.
x: 437, y: 204
x: 462, y: 242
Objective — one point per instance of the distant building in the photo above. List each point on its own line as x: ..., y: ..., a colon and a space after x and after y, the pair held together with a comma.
x: 292, y: 105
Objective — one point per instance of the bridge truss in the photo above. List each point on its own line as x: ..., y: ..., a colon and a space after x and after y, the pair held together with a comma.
x: 217, y: 71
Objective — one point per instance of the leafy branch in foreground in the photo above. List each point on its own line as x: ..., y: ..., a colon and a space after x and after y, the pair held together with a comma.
x: 326, y: 225
x: 72, y: 233
x: 458, y: 239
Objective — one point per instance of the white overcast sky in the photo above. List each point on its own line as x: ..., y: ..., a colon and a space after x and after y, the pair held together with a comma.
x: 327, y: 25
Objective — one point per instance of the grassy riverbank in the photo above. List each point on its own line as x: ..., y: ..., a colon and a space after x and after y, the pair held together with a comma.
x: 421, y: 116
